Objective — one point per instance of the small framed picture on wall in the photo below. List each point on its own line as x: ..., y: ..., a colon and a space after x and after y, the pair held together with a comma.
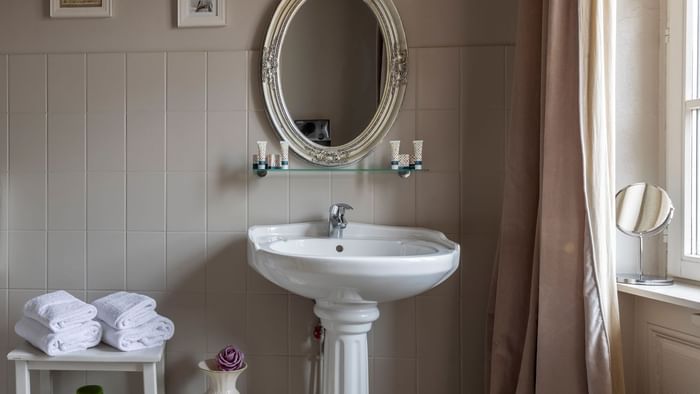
x: 80, y: 8
x: 201, y: 13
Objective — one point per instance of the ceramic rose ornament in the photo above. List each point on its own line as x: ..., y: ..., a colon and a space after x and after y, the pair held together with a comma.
x: 230, y: 359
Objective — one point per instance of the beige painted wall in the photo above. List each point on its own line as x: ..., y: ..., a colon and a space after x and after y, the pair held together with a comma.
x: 150, y: 25
x: 640, y: 140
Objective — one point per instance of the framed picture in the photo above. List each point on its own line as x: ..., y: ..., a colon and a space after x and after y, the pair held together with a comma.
x: 201, y: 13
x: 80, y: 8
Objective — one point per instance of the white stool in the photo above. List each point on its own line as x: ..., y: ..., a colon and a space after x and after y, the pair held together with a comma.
x: 150, y: 362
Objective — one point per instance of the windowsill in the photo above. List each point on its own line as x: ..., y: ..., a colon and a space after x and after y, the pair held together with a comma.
x: 681, y: 293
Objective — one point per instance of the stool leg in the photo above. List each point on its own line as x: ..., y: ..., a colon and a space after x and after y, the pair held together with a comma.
x: 150, y: 380
x: 161, y: 375
x: 22, y: 377
x: 45, y: 386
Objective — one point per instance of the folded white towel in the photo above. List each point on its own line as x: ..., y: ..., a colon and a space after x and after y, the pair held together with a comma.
x: 122, y: 310
x: 151, y: 334
x: 59, y: 311
x: 52, y: 343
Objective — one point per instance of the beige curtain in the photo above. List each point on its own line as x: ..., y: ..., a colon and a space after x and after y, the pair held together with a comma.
x: 554, y: 326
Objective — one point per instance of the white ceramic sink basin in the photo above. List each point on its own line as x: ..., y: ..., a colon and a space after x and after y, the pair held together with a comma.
x: 348, y: 277
x: 369, y: 264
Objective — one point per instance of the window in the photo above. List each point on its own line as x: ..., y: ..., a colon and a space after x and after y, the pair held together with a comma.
x: 683, y: 135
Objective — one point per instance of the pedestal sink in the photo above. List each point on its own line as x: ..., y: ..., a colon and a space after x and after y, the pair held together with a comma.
x: 348, y: 277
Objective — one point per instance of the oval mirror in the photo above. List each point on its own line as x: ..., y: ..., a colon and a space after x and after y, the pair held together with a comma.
x: 643, y: 209
x: 334, y: 75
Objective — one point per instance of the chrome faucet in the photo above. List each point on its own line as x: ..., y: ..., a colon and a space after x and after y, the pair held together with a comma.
x: 336, y: 220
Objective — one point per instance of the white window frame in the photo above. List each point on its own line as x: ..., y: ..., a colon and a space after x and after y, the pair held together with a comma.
x: 677, y: 133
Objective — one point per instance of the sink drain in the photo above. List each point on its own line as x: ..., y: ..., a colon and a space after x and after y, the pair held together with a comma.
x: 339, y: 248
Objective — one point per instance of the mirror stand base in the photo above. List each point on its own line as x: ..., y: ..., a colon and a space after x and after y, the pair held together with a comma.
x: 645, y: 280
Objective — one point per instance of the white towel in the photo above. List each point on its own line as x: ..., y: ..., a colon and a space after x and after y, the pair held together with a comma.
x: 59, y: 311
x: 52, y: 343
x: 151, y: 334
x: 123, y: 310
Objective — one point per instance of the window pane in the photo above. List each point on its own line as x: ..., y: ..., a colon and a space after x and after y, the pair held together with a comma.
x: 692, y: 53
x: 693, y: 184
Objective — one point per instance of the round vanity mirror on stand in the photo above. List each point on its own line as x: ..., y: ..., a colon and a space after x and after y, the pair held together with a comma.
x: 643, y: 210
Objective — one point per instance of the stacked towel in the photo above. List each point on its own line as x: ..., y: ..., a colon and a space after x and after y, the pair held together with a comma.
x: 130, y: 321
x: 52, y: 343
x: 59, y: 311
x: 58, y: 323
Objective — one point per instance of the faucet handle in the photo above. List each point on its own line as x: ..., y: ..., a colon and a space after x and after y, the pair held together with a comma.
x: 339, y: 208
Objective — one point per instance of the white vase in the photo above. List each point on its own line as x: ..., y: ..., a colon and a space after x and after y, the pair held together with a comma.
x: 220, y: 382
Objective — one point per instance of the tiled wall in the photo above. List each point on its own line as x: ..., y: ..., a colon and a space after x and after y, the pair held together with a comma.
x: 130, y: 171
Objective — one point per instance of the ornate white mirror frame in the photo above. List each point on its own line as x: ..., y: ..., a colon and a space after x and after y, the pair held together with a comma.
x: 396, y: 53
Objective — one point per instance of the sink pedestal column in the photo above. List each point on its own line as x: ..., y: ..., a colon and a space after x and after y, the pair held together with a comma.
x: 345, y: 362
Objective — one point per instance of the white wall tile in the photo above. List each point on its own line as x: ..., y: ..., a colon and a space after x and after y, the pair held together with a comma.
x: 4, y: 241
x: 438, y: 78
x: 27, y: 201
x: 259, y: 380
x: 225, y: 322
x: 227, y: 84
x: 395, y: 330
x: 145, y: 201
x: 3, y: 84
x: 187, y: 73
x: 3, y: 319
x: 27, y: 260
x: 105, y: 200
x: 483, y: 71
x: 227, y: 202
x: 394, y: 200
x: 226, y: 137
x: 66, y: 142
x: 186, y: 202
x: 394, y: 375
x: 226, y: 262
x: 309, y: 196
x: 189, y: 311
x: 4, y: 201
x: 302, y: 322
x: 268, y: 199
x: 27, y: 83
x: 440, y: 132
x: 145, y: 141
x: 27, y: 141
x: 105, y: 260
x: 356, y: 190
x: 437, y: 325
x: 267, y: 320
x: 145, y: 81
x: 66, y: 260
x: 106, y: 82
x: 186, y: 141
x: 105, y: 141
x: 186, y: 261
x: 145, y: 261
x: 181, y: 377
x: 438, y: 201
x: 4, y: 153
x: 66, y: 83
x: 66, y: 201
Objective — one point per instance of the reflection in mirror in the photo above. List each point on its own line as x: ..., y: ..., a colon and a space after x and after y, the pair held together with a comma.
x: 332, y: 67
x: 643, y: 209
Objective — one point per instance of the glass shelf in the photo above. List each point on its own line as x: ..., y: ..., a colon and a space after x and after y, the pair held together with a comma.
x: 403, y: 173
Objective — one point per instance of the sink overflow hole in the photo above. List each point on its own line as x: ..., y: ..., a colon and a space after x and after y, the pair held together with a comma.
x: 339, y: 248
